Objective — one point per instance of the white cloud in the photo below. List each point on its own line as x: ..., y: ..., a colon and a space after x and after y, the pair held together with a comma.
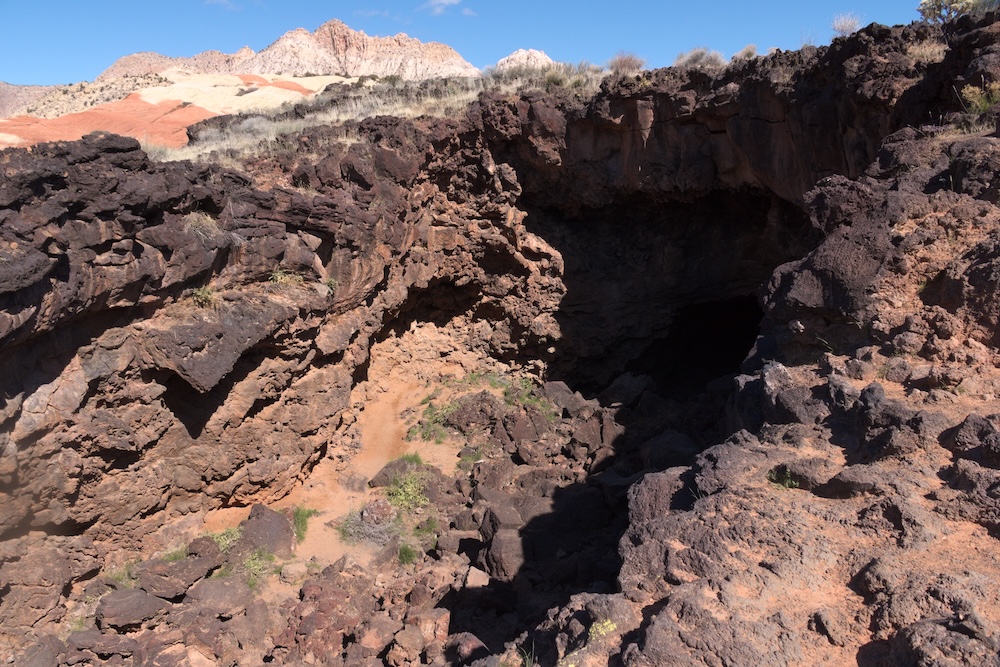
x: 438, y: 7
x: 467, y: 12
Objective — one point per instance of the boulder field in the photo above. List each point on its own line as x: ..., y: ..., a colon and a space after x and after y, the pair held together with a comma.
x: 728, y: 391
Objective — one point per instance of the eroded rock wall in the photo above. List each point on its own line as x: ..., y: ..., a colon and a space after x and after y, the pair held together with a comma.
x: 179, y: 337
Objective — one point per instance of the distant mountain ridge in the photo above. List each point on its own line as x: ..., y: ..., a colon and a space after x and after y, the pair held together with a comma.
x: 333, y: 48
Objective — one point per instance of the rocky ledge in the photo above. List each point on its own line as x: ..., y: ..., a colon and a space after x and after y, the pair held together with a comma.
x: 746, y: 410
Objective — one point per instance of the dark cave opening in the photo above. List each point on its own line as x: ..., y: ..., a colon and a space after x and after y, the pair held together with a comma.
x: 706, y: 341
x: 655, y: 283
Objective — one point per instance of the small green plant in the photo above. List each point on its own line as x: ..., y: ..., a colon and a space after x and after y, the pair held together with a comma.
x: 225, y: 570
x: 782, y: 476
x: 476, y: 378
x: 412, y: 458
x: 517, y: 392
x: 300, y: 520
x: 426, y: 529
x: 124, y: 576
x: 282, y: 277
x: 522, y: 392
x: 81, y: 623
x: 257, y: 566
x: 467, y: 460
x: 332, y: 284
x: 980, y: 99
x: 407, y: 491
x: 601, y: 629
x: 407, y: 554
x: 527, y: 657
x: 227, y: 538
x: 203, y: 297
x: 431, y: 424
x: 175, y: 555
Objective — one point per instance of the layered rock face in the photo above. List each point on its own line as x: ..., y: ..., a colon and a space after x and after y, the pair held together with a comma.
x: 333, y: 48
x: 178, y: 338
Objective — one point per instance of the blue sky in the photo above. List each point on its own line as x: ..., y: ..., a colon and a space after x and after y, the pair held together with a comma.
x: 63, y: 41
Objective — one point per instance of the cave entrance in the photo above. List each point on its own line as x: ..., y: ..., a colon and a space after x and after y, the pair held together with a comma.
x: 706, y: 341
x: 661, y: 286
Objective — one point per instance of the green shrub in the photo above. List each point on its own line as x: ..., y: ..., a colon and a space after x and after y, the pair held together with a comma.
x: 522, y: 392
x: 300, y: 520
x: 282, y: 277
x: 782, y: 476
x: 407, y: 491
x: 431, y: 424
x: 257, y: 566
x: 203, y: 297
x: 227, y: 538
x: 407, y: 554
x: 426, y: 529
x: 175, y: 555
x: 979, y: 100
x: 123, y: 577
x: 224, y: 571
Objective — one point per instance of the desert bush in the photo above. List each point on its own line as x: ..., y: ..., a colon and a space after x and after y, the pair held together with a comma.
x: 927, y: 52
x: 624, y: 63
x: 846, y: 24
x: 782, y: 476
x: 748, y: 52
x: 353, y: 529
x: 407, y: 492
x: 580, y: 76
x: 282, y: 277
x: 227, y: 538
x: 407, y: 554
x: 431, y: 425
x: 175, y: 555
x: 412, y: 458
x: 201, y: 224
x: 257, y: 566
x: 700, y: 58
x: 939, y: 11
x: 123, y: 576
x: 979, y: 100
x: 203, y: 297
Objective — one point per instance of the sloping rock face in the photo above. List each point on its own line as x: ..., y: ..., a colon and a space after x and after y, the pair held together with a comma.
x: 14, y: 97
x: 333, y: 48
x: 176, y: 338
